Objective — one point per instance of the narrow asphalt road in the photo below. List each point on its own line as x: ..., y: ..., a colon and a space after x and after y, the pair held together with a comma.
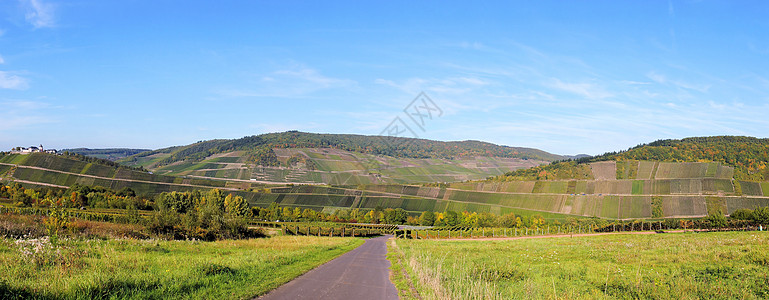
x: 363, y: 273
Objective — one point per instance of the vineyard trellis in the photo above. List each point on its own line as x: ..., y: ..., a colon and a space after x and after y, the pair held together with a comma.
x: 462, y: 232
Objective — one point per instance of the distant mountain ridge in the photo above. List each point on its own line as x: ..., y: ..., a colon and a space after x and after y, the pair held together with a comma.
x: 112, y: 154
x: 259, y: 148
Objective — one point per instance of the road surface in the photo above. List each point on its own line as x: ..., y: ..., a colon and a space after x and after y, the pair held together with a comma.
x: 363, y: 273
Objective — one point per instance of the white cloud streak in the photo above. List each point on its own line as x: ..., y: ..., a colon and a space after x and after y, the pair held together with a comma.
x: 662, y: 79
x: 12, y: 82
x: 18, y: 114
x: 585, y: 89
x: 288, y: 83
x: 39, y: 14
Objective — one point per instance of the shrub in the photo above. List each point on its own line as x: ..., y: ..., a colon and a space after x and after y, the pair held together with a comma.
x: 742, y: 214
x: 716, y: 219
x: 57, y: 220
x: 761, y: 215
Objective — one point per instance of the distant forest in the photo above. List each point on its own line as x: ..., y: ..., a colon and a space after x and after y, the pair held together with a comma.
x: 112, y: 154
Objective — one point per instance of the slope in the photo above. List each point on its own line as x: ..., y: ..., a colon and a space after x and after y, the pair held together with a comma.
x: 258, y: 149
x: 112, y: 154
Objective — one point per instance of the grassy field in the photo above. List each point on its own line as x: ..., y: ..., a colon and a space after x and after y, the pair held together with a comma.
x: 732, y: 265
x: 152, y: 269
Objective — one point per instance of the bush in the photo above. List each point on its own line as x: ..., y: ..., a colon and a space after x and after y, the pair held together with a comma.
x: 716, y: 219
x: 761, y: 215
x: 742, y: 214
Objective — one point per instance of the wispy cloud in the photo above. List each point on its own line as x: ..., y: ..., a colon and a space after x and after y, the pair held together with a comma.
x: 662, y: 79
x: 312, y: 76
x: 13, y: 82
x: 39, y: 14
x: 18, y: 114
x: 472, y: 45
x: 2, y: 61
x: 586, y: 89
x: 451, y: 85
x: 292, y: 82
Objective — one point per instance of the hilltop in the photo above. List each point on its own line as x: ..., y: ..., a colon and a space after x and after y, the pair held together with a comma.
x: 748, y: 155
x: 258, y: 148
x: 112, y: 154
x: 299, y: 157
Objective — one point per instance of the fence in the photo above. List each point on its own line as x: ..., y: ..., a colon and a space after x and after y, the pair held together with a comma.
x: 659, y: 226
x: 124, y: 218
x: 329, y: 231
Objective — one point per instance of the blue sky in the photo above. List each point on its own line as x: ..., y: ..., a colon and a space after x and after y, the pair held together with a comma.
x: 567, y: 77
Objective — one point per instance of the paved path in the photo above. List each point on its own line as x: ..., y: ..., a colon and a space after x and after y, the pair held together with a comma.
x: 363, y: 273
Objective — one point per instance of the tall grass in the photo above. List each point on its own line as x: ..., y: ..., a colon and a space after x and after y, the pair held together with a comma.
x: 155, y: 269
x: 683, y: 266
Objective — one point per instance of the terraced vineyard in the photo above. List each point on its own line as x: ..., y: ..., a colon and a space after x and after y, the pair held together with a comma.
x: 681, y: 190
x: 57, y: 171
x: 639, y: 189
x: 339, y: 167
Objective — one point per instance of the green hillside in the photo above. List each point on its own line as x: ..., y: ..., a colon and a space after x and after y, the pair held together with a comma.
x: 112, y: 154
x: 340, y: 167
x: 685, y: 182
x: 259, y: 149
x: 748, y: 155
x: 61, y: 171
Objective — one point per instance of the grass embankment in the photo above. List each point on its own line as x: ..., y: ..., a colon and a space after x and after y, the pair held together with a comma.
x: 663, y: 266
x: 154, y: 269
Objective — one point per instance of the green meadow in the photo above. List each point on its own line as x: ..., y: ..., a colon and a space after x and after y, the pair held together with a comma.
x: 158, y: 269
x: 717, y: 265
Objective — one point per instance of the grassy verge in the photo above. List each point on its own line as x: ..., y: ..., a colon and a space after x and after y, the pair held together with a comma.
x: 664, y: 266
x: 401, y: 275
x: 153, y: 269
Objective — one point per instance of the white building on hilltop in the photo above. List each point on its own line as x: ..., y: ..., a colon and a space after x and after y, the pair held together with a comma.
x: 33, y: 149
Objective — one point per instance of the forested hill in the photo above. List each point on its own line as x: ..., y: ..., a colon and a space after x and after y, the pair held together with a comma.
x: 259, y: 147
x: 112, y: 154
x: 748, y: 155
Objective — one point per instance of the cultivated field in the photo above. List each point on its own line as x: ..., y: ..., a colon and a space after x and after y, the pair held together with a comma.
x: 726, y: 265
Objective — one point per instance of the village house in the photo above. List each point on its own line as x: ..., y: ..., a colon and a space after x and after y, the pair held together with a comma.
x: 32, y: 149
